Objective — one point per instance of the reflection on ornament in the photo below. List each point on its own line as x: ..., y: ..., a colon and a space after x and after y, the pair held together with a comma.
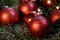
x: 5, y: 15
x: 49, y: 2
x: 4, y: 18
x: 35, y: 26
x: 38, y: 14
x: 28, y: 20
x: 25, y: 9
x: 57, y: 7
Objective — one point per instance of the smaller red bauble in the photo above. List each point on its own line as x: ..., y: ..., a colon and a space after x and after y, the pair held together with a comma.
x: 48, y: 3
x: 55, y: 16
x: 27, y: 8
x: 39, y: 26
x: 9, y: 16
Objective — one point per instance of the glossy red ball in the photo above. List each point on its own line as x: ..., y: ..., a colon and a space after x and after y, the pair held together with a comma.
x: 39, y: 26
x: 27, y: 8
x: 9, y: 16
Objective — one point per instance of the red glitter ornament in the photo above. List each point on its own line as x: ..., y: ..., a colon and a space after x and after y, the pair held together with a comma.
x: 39, y: 26
x: 55, y: 16
x: 9, y: 16
x: 48, y: 3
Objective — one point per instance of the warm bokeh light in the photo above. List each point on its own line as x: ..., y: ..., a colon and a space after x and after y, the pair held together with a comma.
x: 38, y: 9
x: 29, y: 19
x: 57, y: 7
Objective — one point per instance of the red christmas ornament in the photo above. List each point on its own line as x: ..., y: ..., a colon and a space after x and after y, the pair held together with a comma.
x: 55, y: 16
x: 25, y: 8
x: 28, y: 7
x: 9, y: 16
x: 38, y: 26
x: 48, y: 3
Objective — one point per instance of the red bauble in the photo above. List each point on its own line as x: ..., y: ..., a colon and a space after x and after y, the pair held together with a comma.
x: 27, y: 8
x: 48, y: 3
x: 9, y: 16
x: 55, y: 16
x: 39, y: 26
